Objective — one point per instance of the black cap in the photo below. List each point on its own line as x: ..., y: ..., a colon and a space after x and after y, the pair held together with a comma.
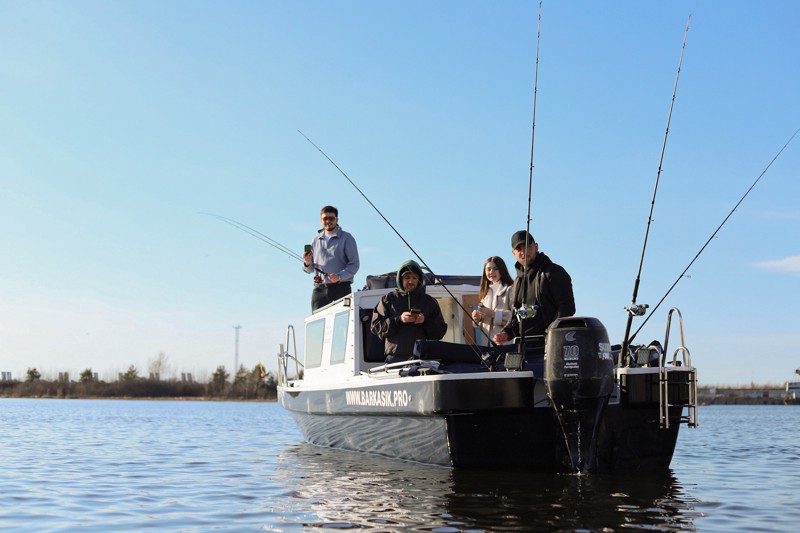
x: 519, y: 238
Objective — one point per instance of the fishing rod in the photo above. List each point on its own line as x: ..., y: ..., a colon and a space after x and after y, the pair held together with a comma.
x: 422, y: 261
x: 637, y: 309
x: 682, y: 274
x: 257, y: 234
x: 260, y: 236
x: 523, y: 311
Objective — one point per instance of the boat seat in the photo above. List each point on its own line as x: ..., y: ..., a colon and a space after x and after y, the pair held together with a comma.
x: 389, y: 280
x: 373, y: 345
x: 449, y: 352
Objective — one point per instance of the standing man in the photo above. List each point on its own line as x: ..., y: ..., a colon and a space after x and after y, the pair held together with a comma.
x: 407, y: 314
x: 333, y: 259
x: 547, y: 285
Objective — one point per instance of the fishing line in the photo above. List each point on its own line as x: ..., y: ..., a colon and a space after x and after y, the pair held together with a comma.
x: 257, y: 234
x: 636, y: 309
x: 422, y: 261
x: 682, y: 274
x: 260, y: 236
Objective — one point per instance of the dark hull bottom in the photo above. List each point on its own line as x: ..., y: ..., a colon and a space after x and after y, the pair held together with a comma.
x: 531, y: 439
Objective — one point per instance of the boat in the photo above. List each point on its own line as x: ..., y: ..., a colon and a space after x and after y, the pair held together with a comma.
x: 566, y: 402
x: 792, y: 396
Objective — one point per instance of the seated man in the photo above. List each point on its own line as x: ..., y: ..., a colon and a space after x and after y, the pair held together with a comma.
x: 407, y: 314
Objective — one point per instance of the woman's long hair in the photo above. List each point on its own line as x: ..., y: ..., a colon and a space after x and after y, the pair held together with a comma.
x: 505, y: 277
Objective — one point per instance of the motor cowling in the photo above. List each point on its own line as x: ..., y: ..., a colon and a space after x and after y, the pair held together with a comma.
x: 579, y: 378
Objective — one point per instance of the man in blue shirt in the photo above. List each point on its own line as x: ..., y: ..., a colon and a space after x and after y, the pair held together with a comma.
x: 333, y: 259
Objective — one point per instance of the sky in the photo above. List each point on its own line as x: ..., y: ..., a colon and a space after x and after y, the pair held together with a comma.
x: 122, y: 122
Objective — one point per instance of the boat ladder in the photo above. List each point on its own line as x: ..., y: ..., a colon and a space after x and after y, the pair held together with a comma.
x: 677, y: 368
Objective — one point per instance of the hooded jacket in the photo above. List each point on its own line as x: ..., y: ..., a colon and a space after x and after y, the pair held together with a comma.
x: 399, y: 337
x: 548, y: 286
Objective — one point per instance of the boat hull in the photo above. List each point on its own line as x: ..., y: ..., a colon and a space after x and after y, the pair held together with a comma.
x: 502, y: 421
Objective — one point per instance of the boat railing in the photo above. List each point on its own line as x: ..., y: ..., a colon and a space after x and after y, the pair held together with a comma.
x: 684, y: 365
x: 284, y: 355
x: 680, y: 325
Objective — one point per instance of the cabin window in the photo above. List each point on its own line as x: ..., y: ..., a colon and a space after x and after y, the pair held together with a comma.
x: 315, y: 334
x: 339, y: 341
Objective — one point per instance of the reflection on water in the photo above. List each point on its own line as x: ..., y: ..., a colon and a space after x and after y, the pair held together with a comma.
x: 357, y: 490
x: 348, y: 490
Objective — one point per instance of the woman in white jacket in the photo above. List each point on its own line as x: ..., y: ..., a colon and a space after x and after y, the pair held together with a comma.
x: 496, y: 298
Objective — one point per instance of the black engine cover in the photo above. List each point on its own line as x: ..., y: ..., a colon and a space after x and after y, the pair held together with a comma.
x: 579, y: 378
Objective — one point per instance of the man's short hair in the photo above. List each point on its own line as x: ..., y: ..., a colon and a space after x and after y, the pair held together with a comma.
x: 329, y: 209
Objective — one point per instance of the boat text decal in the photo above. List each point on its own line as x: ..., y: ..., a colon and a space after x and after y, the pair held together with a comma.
x: 605, y: 350
x: 378, y: 398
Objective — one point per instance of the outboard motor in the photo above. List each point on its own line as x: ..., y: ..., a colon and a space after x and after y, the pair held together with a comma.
x: 579, y: 378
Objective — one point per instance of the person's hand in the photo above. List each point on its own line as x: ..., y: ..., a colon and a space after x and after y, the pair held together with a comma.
x: 501, y: 338
x: 307, y: 258
x: 477, y: 316
x: 334, y: 278
x: 412, y: 318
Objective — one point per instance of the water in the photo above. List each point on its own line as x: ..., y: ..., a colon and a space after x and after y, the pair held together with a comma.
x: 100, y: 465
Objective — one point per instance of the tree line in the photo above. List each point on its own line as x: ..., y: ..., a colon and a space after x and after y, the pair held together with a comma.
x: 246, y: 384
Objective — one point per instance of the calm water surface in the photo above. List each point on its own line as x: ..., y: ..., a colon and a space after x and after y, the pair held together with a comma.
x: 100, y: 465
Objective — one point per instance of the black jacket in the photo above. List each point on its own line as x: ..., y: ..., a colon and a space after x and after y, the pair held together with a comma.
x: 398, y: 336
x: 548, y: 286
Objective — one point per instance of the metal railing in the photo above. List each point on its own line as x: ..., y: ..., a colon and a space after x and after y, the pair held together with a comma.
x: 685, y: 366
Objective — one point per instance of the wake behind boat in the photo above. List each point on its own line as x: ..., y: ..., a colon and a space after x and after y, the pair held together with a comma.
x: 571, y: 402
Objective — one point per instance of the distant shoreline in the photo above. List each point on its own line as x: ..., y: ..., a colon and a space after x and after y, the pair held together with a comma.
x: 144, y: 398
x: 247, y: 387
x: 753, y: 395
x: 259, y: 391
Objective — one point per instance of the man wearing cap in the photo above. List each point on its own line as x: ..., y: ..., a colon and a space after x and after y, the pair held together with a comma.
x: 333, y: 258
x: 545, y: 284
x: 407, y: 314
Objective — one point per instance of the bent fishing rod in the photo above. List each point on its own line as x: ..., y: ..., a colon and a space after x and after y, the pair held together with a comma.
x: 422, y: 261
x: 682, y: 274
x: 636, y: 309
x: 260, y: 236
x: 524, y: 311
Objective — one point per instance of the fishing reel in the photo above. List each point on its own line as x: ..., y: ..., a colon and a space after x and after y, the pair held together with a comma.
x: 637, y: 309
x: 528, y: 311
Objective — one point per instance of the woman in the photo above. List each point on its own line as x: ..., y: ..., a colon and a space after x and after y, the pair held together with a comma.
x: 496, y: 298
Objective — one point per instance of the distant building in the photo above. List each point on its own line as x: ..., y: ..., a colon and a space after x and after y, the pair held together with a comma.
x: 793, y: 390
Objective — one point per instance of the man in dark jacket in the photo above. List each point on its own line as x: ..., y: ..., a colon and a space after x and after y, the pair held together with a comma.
x: 547, y: 286
x: 407, y: 314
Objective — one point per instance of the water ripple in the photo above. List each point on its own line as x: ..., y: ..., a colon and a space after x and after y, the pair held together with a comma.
x: 201, y: 466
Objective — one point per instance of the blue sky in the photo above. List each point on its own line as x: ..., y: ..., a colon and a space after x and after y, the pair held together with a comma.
x: 120, y: 122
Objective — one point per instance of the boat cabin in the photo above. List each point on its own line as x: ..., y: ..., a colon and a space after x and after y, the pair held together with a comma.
x: 338, y: 341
